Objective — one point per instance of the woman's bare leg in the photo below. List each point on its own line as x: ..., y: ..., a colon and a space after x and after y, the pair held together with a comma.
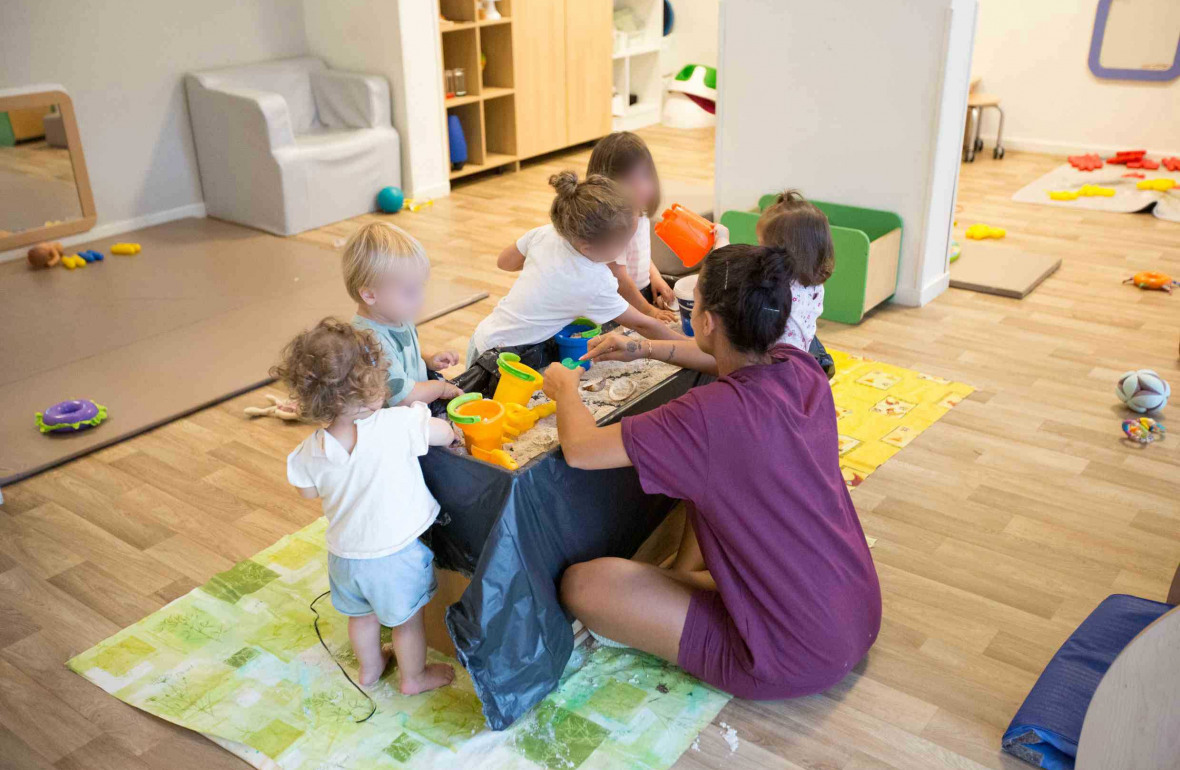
x: 636, y: 604
x: 688, y: 557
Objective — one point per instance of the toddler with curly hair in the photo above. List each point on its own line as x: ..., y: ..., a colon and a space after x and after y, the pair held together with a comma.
x: 363, y: 464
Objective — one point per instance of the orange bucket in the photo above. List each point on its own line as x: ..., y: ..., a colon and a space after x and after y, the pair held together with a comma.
x: 480, y: 419
x: 687, y: 234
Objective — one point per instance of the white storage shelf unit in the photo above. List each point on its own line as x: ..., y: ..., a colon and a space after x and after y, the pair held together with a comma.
x: 637, y: 66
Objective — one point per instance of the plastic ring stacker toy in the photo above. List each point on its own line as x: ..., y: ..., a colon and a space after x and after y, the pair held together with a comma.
x: 571, y: 347
x: 71, y: 416
x: 1151, y: 279
x: 518, y: 382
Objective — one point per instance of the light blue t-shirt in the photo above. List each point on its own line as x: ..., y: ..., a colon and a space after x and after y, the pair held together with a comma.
x: 400, y: 345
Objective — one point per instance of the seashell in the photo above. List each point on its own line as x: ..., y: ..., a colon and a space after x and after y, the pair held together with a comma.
x: 593, y: 385
x: 621, y: 390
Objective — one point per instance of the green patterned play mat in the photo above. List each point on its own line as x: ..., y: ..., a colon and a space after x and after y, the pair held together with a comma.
x: 238, y: 660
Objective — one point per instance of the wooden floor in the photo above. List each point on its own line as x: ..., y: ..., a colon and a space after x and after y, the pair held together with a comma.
x: 998, y: 530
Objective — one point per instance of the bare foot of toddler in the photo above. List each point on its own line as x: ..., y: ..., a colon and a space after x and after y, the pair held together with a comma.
x: 433, y: 676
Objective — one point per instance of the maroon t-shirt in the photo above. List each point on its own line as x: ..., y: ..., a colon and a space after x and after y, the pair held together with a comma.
x: 756, y: 455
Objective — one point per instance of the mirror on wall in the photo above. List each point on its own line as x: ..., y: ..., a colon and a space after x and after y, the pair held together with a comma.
x: 43, y: 179
x: 1136, y: 40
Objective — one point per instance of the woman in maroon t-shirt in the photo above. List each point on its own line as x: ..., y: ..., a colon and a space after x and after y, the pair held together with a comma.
x: 774, y: 594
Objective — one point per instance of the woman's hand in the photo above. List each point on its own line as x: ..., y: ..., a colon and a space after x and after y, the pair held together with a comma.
x: 614, y: 347
x: 720, y: 236
x: 560, y: 381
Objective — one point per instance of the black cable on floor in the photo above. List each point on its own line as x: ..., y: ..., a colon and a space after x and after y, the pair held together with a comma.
x: 320, y: 636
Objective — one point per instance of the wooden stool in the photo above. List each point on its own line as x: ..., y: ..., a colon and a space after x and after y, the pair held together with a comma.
x: 976, y: 104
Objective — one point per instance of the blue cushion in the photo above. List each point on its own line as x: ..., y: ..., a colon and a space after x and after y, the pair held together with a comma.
x: 1046, y: 729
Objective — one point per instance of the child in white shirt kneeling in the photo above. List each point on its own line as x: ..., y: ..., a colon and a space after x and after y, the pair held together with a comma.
x: 363, y: 464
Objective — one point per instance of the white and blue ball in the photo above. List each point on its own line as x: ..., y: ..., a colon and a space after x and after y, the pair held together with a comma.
x: 1143, y: 391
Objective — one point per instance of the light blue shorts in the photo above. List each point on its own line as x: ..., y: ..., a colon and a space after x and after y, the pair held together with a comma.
x: 393, y: 587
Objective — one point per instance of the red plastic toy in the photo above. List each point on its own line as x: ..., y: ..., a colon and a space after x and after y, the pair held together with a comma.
x: 1123, y: 156
x: 1134, y: 175
x: 1144, y: 163
x: 1171, y: 164
x: 1089, y: 162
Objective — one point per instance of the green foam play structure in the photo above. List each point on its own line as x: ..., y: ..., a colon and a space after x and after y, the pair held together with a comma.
x: 868, y: 248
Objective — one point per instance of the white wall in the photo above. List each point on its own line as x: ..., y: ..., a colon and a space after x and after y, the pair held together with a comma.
x: 400, y: 40
x: 694, y: 36
x: 858, y: 102
x: 1033, y: 55
x: 122, y: 62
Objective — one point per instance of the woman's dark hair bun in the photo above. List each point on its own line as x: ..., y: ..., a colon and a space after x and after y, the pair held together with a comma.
x: 749, y: 289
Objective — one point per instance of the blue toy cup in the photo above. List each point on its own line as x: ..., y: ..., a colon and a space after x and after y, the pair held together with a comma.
x: 683, y: 291
x: 572, y: 347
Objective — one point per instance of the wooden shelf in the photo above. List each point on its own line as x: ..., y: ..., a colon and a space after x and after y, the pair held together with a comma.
x: 493, y: 22
x: 492, y: 92
x: 455, y: 26
x: 491, y: 160
x: 455, y: 101
x: 637, y: 51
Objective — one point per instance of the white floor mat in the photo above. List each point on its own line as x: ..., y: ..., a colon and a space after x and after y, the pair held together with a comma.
x: 1127, y: 198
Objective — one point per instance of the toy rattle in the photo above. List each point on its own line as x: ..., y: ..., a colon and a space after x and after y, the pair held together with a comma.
x: 1151, y: 279
x: 1144, y: 430
x: 71, y: 416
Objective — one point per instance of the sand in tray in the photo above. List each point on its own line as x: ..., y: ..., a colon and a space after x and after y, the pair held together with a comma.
x: 644, y: 374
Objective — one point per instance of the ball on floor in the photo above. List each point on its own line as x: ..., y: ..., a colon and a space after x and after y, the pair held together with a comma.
x: 391, y: 199
x: 1143, y: 390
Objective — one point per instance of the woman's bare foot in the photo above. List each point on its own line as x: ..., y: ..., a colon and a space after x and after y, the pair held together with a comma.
x: 369, y: 678
x: 435, y: 675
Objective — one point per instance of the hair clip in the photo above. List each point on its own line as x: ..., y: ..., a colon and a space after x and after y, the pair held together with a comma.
x: 726, y: 286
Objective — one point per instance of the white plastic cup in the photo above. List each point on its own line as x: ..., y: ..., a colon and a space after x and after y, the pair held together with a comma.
x: 683, y: 291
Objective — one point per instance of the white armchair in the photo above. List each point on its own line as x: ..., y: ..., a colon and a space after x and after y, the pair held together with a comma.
x: 287, y: 146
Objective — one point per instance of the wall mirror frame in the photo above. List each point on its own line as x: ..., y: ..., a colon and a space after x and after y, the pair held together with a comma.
x: 48, y: 96
x: 1136, y: 40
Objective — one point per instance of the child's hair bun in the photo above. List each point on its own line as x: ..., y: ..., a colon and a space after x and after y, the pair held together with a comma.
x: 565, y: 182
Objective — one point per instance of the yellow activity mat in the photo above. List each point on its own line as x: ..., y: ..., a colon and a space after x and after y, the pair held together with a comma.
x: 881, y: 408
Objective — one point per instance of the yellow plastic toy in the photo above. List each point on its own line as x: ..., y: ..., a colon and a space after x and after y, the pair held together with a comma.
x: 126, y: 249
x: 517, y: 419
x: 482, y: 423
x: 979, y: 232
x: 72, y: 261
x: 1162, y: 184
x: 518, y: 382
x: 1094, y: 191
x: 1063, y: 195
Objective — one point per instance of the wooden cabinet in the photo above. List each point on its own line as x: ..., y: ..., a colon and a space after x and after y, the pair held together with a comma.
x: 540, y: 76
x: 589, y: 38
x: 563, y: 72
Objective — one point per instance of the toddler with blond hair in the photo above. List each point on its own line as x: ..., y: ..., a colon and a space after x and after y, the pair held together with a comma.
x: 385, y: 271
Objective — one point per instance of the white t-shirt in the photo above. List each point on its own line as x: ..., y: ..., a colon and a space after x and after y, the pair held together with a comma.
x: 556, y: 285
x: 807, y: 302
x: 637, y: 256
x: 375, y: 499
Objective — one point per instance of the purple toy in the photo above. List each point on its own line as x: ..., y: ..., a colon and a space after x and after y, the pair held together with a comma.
x: 71, y: 416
